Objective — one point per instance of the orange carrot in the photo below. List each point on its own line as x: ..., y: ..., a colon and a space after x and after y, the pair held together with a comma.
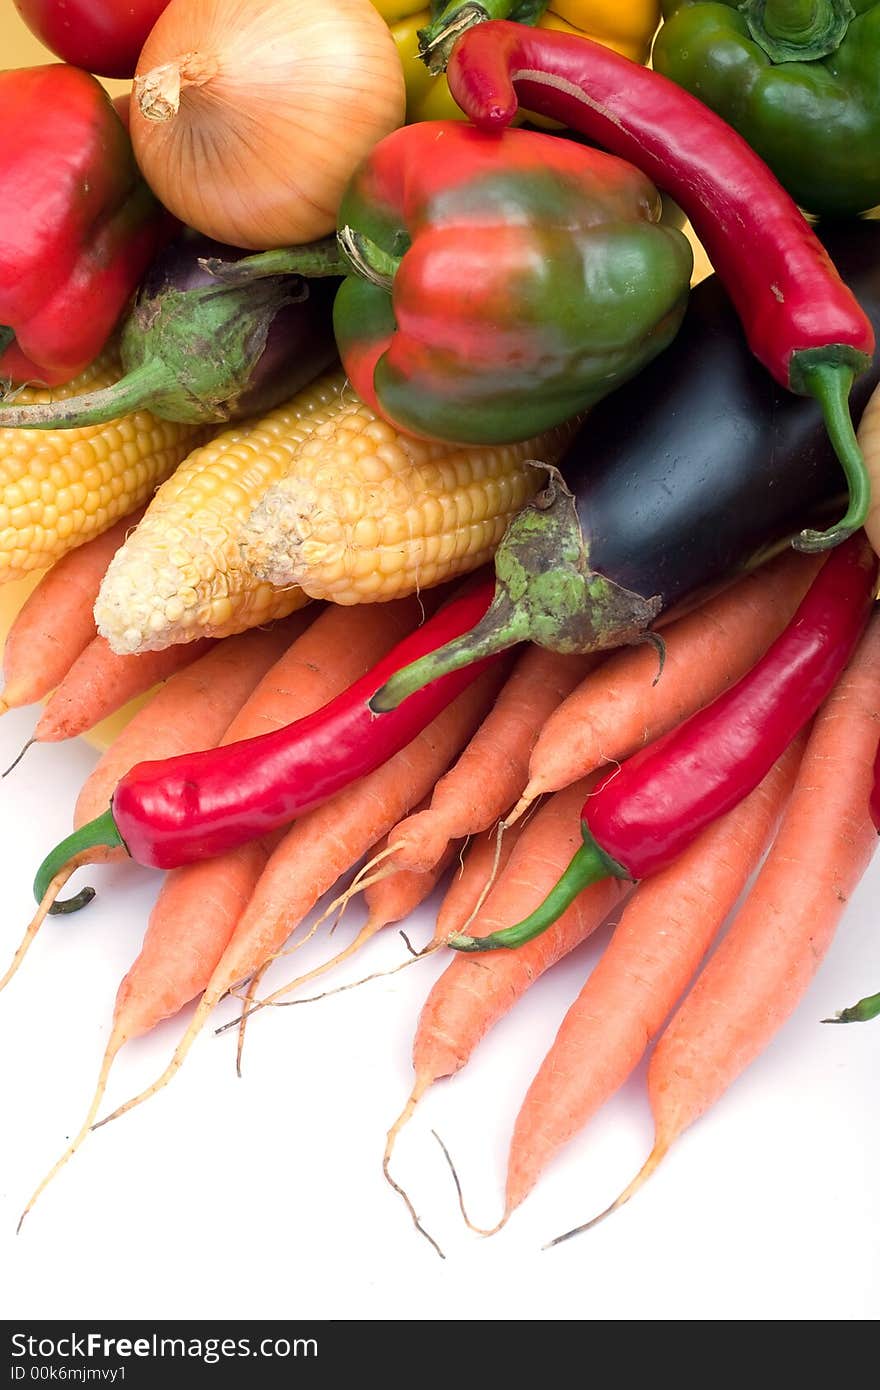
x: 200, y: 904
x: 324, y: 844
x: 475, y: 992
x: 667, y: 927
x: 100, y: 682
x: 55, y: 623
x: 493, y: 769
x: 764, y: 965
x: 619, y: 708
x: 470, y: 877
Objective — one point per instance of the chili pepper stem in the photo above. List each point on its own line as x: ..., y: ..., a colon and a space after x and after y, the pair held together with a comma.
x: 101, y: 831
x: 830, y: 383
x: 862, y: 1012
x: 545, y: 592
x: 588, y: 865
x: 437, y: 39
x: 316, y: 261
x: 798, y: 30
x: 94, y: 408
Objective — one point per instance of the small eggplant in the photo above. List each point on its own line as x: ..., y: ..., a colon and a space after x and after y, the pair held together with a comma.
x: 196, y: 349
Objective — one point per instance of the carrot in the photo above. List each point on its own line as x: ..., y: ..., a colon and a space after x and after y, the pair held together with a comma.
x: 55, y: 623
x: 764, y: 965
x: 100, y: 682
x: 475, y: 992
x: 667, y: 926
x: 493, y: 769
x: 325, y: 843
x: 622, y: 706
x: 471, y: 876
x: 200, y: 904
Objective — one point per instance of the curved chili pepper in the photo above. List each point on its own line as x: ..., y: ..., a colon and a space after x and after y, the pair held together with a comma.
x: 645, y: 813
x: 177, y: 810
x: 875, y: 793
x: 800, y: 319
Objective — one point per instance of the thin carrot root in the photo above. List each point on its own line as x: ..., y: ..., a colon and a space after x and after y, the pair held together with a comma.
x: 15, y: 762
x: 523, y: 805
x: 246, y: 1011
x: 403, y: 1118
x: 117, y: 1038
x: 477, y: 1230
x: 650, y: 1166
x: 42, y: 912
x: 205, y: 1006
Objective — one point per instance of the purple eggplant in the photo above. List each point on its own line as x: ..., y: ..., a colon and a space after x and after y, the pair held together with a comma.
x: 196, y: 349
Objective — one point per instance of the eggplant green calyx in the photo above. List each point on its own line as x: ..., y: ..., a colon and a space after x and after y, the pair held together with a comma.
x: 828, y: 378
x: 188, y: 355
x: 588, y: 865
x: 545, y: 592
x: 101, y: 831
x: 798, y: 30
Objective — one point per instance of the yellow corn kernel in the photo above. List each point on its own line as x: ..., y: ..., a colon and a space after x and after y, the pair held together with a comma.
x: 366, y: 514
x: 180, y: 574
x: 59, y: 488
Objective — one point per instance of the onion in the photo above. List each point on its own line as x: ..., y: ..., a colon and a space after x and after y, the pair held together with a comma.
x: 250, y: 116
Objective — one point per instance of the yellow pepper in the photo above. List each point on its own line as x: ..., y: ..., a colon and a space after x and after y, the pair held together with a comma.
x: 627, y: 26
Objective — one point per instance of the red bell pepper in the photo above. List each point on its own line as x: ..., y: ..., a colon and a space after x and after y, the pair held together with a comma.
x: 78, y: 224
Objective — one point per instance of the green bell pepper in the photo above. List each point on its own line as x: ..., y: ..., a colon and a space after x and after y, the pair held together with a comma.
x: 799, y: 79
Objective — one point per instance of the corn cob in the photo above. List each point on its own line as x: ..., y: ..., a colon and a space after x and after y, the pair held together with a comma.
x: 367, y: 514
x: 180, y: 575
x: 59, y: 488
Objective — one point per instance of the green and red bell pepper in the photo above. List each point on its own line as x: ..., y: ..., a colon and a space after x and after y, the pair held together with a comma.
x: 78, y: 224
x: 496, y: 285
x: 799, y: 79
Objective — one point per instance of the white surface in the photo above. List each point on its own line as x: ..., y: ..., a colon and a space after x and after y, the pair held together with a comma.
x: 264, y: 1197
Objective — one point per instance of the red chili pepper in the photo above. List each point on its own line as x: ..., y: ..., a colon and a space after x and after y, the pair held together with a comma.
x: 646, y: 812
x: 198, y: 805
x: 801, y: 321
x: 78, y: 224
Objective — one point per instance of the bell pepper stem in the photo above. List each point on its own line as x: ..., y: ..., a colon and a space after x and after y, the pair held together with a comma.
x: 862, y: 1012
x: 798, y: 30
x: 101, y: 831
x: 316, y: 261
x: 829, y: 383
x: 545, y: 592
x: 94, y: 408
x: 438, y: 38
x: 588, y: 865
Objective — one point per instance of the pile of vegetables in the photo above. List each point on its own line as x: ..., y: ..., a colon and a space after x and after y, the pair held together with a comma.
x: 439, y: 525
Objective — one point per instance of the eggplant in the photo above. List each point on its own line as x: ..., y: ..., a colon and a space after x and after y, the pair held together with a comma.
x: 197, y: 349
x: 697, y: 470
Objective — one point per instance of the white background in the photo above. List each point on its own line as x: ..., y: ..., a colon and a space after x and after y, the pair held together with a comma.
x: 264, y: 1197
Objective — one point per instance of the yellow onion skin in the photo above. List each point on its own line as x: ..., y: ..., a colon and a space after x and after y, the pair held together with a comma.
x: 250, y: 116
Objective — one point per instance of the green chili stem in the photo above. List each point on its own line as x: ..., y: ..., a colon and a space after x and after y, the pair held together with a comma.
x: 316, y: 261
x: 94, y: 408
x: 830, y: 383
x: 588, y: 865
x: 101, y: 831
x: 862, y: 1012
x: 485, y: 639
x: 798, y: 30
x: 437, y: 39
